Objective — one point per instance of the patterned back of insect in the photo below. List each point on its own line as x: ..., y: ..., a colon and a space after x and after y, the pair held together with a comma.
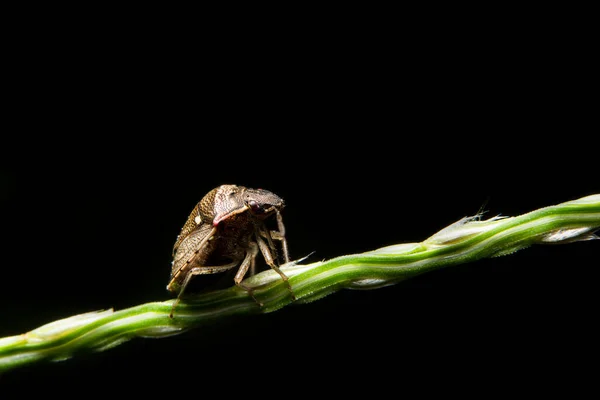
x: 188, y: 227
x: 202, y: 214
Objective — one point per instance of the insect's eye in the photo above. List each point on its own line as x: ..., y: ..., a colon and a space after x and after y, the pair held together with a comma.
x: 255, y: 207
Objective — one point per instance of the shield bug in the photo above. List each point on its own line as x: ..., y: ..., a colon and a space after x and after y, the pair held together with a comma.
x: 227, y: 229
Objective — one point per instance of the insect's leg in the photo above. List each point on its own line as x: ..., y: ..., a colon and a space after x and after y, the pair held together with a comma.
x: 199, y: 271
x: 267, y: 235
x: 253, y: 263
x: 284, y: 245
x: 277, y: 235
x: 248, y: 261
x: 269, y: 259
x: 183, y: 286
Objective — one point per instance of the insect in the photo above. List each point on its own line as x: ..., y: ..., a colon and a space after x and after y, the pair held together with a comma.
x: 227, y: 229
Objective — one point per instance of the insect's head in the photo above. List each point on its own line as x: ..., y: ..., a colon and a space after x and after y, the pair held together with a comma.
x: 262, y: 203
x: 227, y: 201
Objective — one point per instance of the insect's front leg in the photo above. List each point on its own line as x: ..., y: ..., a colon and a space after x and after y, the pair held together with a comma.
x: 281, y: 235
x: 264, y: 248
x: 278, y: 235
x: 249, y: 261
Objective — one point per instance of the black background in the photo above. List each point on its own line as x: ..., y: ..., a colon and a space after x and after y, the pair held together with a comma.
x: 371, y: 143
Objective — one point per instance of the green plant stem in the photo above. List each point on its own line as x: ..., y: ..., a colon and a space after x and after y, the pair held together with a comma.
x: 467, y: 240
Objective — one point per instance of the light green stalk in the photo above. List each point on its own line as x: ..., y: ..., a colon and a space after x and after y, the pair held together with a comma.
x: 467, y: 240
